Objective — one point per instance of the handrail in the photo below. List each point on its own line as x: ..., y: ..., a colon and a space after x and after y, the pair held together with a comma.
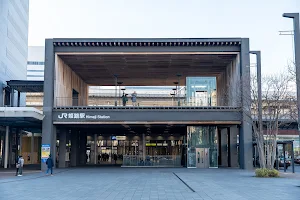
x: 148, y: 108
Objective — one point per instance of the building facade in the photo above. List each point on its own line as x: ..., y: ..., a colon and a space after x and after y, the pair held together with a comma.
x: 14, y: 21
x: 145, y: 135
x: 35, y: 63
x: 181, y: 116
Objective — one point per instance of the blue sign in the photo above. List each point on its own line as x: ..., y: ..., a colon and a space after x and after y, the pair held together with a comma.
x: 113, y: 137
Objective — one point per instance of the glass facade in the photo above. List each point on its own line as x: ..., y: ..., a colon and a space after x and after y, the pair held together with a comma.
x: 201, y: 91
x: 202, y: 146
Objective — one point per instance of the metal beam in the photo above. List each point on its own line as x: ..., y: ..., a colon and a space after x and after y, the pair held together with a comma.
x: 258, y: 65
x: 295, y: 17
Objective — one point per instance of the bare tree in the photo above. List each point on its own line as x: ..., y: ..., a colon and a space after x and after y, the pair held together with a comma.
x: 276, y: 108
x: 291, y: 67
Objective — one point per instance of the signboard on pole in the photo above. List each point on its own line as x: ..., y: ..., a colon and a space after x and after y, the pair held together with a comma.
x: 121, y: 137
x: 45, y: 152
x: 118, y: 137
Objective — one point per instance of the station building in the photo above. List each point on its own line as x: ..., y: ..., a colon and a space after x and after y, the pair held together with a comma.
x: 204, y: 122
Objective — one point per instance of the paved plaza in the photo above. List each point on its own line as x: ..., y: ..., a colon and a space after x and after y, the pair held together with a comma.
x: 147, y: 183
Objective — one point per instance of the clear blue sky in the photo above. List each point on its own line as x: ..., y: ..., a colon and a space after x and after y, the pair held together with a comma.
x: 259, y: 20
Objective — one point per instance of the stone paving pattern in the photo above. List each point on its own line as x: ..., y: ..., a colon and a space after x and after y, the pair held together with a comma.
x: 148, y: 183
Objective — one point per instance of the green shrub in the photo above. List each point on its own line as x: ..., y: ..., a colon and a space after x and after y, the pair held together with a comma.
x: 273, y: 173
x: 263, y: 172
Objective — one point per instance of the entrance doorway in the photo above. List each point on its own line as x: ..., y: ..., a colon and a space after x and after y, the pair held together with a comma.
x: 202, y: 157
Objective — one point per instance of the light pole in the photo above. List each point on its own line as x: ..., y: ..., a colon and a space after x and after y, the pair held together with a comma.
x: 173, y: 96
x: 119, y: 96
x: 176, y: 83
x: 116, y: 89
x: 259, y: 95
x: 123, y: 89
x: 178, y: 80
x: 295, y: 17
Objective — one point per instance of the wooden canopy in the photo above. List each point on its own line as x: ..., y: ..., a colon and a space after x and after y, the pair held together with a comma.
x: 146, y: 69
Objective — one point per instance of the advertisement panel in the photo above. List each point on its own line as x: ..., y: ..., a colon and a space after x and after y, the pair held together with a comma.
x: 45, y: 152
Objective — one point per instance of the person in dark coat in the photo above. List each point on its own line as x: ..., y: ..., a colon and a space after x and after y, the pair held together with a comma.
x: 115, y: 158
x: 99, y: 158
x: 17, y: 165
x: 124, y: 99
x: 50, y: 165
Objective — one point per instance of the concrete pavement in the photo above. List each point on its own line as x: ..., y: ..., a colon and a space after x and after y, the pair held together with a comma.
x: 148, y: 183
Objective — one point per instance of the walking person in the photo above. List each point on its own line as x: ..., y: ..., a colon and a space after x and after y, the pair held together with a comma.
x: 50, y: 165
x: 133, y: 98
x: 21, y: 164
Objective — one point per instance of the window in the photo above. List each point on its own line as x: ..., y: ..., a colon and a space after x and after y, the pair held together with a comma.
x: 35, y: 63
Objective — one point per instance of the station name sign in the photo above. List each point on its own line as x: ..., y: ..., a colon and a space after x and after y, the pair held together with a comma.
x: 81, y: 115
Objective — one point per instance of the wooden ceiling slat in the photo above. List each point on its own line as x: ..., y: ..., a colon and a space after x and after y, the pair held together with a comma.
x: 145, y: 69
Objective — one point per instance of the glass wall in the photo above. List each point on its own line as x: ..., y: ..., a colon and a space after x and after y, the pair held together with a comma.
x: 201, y: 91
x: 202, y: 138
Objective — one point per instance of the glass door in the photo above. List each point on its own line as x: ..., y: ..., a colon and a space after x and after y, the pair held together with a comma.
x: 202, y: 157
x: 202, y: 144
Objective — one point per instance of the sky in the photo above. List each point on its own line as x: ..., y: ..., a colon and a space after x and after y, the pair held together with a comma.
x: 258, y: 20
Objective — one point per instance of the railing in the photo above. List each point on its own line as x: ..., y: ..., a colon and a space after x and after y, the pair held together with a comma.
x: 152, y: 95
x: 152, y: 161
x: 141, y: 101
x: 141, y: 91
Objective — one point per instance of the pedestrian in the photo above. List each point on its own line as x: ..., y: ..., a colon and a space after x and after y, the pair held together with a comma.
x: 124, y: 99
x: 50, y: 165
x: 21, y: 164
x: 115, y: 158
x: 99, y: 158
x: 17, y: 165
x: 133, y: 98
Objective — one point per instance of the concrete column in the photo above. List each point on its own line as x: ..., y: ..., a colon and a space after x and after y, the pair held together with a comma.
x: 20, y: 135
x: 144, y: 147
x: 32, y: 148
x: 11, y: 154
x: 2, y: 96
x: 82, y: 154
x: 74, y: 147
x: 245, y: 136
x: 234, y: 130
x: 95, y: 149
x: 62, y: 148
x: 224, y: 153
x: 49, y: 130
x: 12, y: 97
x: 19, y: 98
x: 53, y: 146
x: 6, y: 147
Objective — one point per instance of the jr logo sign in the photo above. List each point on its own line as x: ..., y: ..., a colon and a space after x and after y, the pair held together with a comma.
x: 81, y: 116
x: 71, y: 116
